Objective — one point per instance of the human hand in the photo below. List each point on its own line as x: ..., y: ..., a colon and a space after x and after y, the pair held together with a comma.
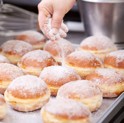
x: 51, y: 13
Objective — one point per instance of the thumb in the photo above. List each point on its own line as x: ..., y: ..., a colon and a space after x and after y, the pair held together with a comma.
x: 57, y: 20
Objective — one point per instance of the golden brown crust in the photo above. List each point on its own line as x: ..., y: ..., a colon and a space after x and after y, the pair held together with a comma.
x: 28, y: 87
x: 97, y: 43
x: 110, y: 81
x: 112, y: 61
x: 62, y: 81
x: 81, y: 61
x: 16, y: 47
x: 8, y: 72
x: 32, y: 37
x: 27, y: 62
x: 18, y: 94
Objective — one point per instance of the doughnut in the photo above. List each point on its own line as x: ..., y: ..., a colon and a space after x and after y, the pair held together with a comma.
x: 109, y: 81
x: 115, y: 60
x: 27, y: 93
x: 3, y: 107
x: 33, y: 62
x: 82, y: 91
x: 8, y: 72
x: 98, y: 45
x: 3, y: 59
x: 15, y: 49
x: 65, y: 111
x: 36, y: 39
x: 59, y: 49
x: 83, y: 62
x: 56, y: 76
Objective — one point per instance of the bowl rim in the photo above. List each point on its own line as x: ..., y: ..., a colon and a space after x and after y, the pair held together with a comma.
x: 104, y: 1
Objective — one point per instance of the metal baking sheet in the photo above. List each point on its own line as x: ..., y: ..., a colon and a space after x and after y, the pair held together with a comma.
x: 35, y: 117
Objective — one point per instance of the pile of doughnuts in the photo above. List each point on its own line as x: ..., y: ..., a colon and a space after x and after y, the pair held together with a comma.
x: 77, y: 79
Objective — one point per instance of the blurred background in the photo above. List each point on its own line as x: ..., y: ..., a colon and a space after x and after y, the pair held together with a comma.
x: 72, y: 18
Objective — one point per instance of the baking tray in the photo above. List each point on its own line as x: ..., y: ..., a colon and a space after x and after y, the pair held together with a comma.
x: 103, y: 115
x: 109, y: 107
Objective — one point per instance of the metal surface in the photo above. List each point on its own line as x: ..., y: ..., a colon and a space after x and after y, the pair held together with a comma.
x: 103, y: 18
x: 35, y: 117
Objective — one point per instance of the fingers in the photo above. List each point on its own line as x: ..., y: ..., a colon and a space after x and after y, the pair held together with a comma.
x: 57, y: 19
x: 64, y: 27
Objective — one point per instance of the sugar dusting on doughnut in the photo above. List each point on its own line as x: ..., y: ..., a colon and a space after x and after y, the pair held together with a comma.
x: 58, y: 74
x: 118, y: 55
x: 111, y: 75
x: 9, y: 71
x: 66, y: 107
x: 97, y: 43
x: 27, y: 85
x: 79, y: 57
x: 80, y: 89
x: 37, y: 55
x: 16, y: 46
x: 33, y: 34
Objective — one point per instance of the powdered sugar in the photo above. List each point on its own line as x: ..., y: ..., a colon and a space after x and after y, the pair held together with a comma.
x: 16, y: 46
x: 66, y: 107
x: 79, y: 89
x: 9, y: 71
x: 3, y: 59
x: 28, y: 83
x: 34, y: 34
x: 118, y: 55
x: 38, y: 55
x: 58, y: 73
x: 82, y: 55
x: 111, y: 75
x: 98, y: 42
x: 62, y: 47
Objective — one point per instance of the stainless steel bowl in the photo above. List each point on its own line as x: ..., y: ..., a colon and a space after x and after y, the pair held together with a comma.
x: 103, y: 17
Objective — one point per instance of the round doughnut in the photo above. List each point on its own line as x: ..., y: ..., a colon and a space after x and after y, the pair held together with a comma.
x: 65, y: 111
x: 115, y: 60
x: 36, y: 39
x: 15, y: 49
x: 56, y: 76
x: 109, y: 81
x: 27, y: 93
x: 98, y: 45
x: 3, y: 107
x: 3, y: 59
x: 59, y: 49
x: 82, y: 91
x: 33, y: 62
x: 8, y: 72
x: 83, y: 62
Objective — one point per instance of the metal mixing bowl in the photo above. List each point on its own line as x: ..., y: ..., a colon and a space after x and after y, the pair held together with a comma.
x: 103, y: 17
